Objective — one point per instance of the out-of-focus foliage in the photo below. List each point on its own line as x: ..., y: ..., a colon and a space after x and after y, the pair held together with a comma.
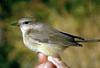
x: 79, y: 17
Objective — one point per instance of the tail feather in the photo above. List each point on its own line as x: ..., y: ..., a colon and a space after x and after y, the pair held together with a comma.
x: 89, y: 40
x: 77, y: 43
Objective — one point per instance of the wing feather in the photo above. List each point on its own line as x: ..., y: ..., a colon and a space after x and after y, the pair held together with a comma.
x: 53, y: 36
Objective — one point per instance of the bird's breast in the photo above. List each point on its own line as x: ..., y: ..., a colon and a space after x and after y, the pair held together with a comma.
x: 30, y: 43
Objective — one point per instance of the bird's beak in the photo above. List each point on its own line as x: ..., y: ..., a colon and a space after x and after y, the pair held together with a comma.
x: 15, y: 24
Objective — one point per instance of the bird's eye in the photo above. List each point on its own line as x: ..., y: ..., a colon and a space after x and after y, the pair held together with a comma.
x: 26, y: 22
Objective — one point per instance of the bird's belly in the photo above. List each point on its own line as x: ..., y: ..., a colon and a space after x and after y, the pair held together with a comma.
x: 49, y: 49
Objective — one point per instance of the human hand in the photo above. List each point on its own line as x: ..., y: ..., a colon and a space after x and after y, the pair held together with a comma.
x: 50, y: 62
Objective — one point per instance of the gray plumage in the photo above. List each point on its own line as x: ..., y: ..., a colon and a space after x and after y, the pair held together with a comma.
x: 43, y: 38
x: 47, y: 34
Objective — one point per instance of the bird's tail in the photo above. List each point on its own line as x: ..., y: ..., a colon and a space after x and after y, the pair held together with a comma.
x: 88, y: 40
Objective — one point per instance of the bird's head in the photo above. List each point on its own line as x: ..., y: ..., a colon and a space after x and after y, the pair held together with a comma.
x: 25, y: 24
x: 29, y: 23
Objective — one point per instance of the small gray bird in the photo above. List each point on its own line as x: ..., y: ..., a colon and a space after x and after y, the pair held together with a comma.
x: 41, y: 37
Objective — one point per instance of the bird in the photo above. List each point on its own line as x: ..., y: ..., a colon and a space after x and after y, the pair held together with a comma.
x: 43, y: 38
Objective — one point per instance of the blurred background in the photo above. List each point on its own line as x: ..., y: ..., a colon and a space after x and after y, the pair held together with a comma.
x: 77, y: 17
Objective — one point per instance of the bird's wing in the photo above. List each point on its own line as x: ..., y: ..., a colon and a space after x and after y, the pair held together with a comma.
x: 54, y: 37
x: 73, y: 36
